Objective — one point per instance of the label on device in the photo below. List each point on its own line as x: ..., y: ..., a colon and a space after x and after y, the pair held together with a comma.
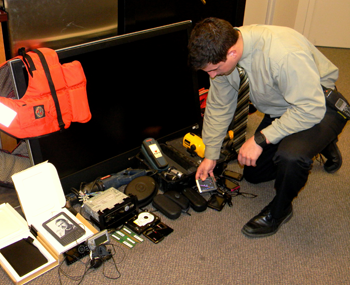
x: 153, y: 154
x: 155, y: 150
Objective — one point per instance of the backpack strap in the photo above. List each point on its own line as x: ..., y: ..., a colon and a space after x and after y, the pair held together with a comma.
x: 52, y: 87
x: 27, y: 60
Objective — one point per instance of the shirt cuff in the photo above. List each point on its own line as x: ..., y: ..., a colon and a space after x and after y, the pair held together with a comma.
x: 212, y: 153
x: 272, y: 134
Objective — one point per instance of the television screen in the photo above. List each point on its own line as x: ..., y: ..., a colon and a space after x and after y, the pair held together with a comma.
x: 139, y: 85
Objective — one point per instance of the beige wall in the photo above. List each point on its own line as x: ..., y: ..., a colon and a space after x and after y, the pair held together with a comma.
x: 271, y: 12
x: 322, y: 21
x: 255, y: 12
x: 285, y: 13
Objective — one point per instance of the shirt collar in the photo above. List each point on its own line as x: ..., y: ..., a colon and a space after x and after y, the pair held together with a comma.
x: 246, y: 46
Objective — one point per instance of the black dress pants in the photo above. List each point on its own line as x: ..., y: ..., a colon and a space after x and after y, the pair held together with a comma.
x: 289, y: 162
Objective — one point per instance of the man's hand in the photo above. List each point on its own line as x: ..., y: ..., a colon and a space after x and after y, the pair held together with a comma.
x: 206, y: 168
x: 249, y: 153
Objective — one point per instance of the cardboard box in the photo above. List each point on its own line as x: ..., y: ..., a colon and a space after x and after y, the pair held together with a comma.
x: 41, y: 197
x: 14, y: 228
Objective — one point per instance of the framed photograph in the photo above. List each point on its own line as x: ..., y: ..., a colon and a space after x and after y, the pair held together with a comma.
x: 63, y: 229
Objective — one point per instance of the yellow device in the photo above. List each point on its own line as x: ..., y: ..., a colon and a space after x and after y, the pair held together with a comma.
x: 194, y: 143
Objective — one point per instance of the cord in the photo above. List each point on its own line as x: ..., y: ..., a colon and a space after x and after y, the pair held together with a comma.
x: 222, y: 189
x: 115, y: 265
x: 74, y: 278
x: 89, y: 269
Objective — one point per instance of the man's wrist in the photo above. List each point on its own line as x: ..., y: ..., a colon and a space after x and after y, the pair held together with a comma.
x: 260, y: 139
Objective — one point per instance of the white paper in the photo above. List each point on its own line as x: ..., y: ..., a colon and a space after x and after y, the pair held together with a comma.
x: 6, y: 115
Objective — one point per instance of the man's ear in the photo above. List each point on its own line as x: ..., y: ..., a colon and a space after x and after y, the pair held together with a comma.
x: 232, y: 52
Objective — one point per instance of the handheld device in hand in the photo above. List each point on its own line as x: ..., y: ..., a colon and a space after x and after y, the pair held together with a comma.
x: 206, y: 185
x: 153, y: 154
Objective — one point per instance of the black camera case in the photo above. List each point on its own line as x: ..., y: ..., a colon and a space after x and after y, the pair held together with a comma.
x: 197, y: 202
x: 167, y: 206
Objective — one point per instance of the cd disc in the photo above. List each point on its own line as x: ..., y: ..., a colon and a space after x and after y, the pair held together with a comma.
x: 143, y: 219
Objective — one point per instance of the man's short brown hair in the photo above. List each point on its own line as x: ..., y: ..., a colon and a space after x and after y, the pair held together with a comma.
x: 210, y: 41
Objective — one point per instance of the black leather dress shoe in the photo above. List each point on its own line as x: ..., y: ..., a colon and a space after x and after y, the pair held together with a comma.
x: 334, y: 158
x: 264, y: 224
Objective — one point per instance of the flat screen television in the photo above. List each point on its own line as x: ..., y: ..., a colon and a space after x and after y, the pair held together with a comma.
x: 139, y: 85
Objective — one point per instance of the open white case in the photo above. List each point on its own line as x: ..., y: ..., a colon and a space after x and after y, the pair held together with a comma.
x: 41, y: 197
x: 14, y: 228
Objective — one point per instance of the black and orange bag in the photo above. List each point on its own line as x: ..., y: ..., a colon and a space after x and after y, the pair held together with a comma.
x: 55, y: 97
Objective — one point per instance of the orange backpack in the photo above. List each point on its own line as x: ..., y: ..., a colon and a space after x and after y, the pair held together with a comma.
x: 55, y: 97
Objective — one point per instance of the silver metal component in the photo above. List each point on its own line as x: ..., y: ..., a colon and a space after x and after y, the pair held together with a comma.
x: 98, y: 239
x: 105, y: 200
x: 56, y: 24
x: 175, y: 172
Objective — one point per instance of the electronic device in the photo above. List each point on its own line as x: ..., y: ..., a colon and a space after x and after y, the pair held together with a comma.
x: 104, y: 200
x: 230, y: 185
x: 114, y: 180
x: 216, y: 202
x: 153, y: 154
x: 172, y: 174
x: 153, y: 235
x: 144, y: 220
x: 158, y: 232
x: 98, y: 239
x: 144, y: 188
x: 126, y: 237
x: 76, y: 253
x: 99, y: 252
x: 110, y: 208
x: 122, y: 115
x: 207, y: 185
x: 175, y: 150
x: 337, y: 101
x: 162, y: 228
x: 96, y: 262
x: 232, y: 174
x: 194, y: 143
x: 63, y: 228
x: 99, y: 255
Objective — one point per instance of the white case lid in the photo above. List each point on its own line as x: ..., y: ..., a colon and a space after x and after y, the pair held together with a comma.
x: 12, y: 225
x: 39, y: 190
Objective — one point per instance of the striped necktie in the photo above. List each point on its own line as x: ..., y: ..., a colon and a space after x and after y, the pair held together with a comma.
x: 243, y: 91
x: 240, y: 119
